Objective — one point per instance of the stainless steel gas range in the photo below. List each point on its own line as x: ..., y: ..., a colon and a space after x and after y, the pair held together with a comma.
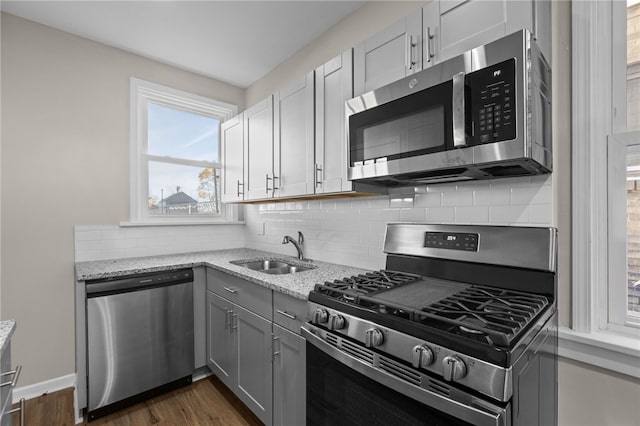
x: 459, y: 329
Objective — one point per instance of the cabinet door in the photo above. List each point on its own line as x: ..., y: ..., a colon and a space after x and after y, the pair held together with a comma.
x: 289, y: 378
x: 389, y: 55
x: 334, y: 85
x: 468, y: 24
x: 220, y: 347
x: 431, y: 34
x: 294, y: 138
x: 258, y: 133
x: 253, y: 358
x: 534, y: 15
x: 233, y: 159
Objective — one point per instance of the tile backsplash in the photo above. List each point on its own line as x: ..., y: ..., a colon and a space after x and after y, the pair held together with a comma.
x: 342, y: 230
x: 115, y: 242
x: 351, y: 230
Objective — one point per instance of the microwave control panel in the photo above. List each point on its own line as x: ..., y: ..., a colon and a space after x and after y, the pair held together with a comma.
x: 493, y: 102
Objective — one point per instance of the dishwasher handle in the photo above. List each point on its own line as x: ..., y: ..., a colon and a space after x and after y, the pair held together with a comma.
x: 103, y: 287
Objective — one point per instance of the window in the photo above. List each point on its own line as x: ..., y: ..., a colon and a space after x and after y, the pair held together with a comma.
x: 175, y: 155
x: 605, y: 329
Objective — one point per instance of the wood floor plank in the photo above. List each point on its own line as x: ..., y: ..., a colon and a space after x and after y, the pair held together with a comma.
x: 207, y: 402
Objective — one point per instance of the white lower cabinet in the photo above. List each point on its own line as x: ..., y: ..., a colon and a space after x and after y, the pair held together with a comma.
x: 239, y: 353
x: 289, y: 378
x: 261, y: 362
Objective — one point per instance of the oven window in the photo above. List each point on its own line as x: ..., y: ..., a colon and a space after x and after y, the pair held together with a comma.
x: 413, y: 125
x: 338, y: 395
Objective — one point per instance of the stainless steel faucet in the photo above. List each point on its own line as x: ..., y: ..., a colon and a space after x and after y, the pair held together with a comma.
x: 298, y: 244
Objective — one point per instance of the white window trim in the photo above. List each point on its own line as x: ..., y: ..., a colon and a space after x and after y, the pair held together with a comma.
x: 590, y: 338
x: 142, y: 91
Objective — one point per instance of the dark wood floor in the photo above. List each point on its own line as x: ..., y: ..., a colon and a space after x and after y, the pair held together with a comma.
x: 205, y: 402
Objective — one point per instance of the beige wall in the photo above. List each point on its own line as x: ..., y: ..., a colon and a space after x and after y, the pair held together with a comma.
x: 363, y: 23
x: 65, y: 162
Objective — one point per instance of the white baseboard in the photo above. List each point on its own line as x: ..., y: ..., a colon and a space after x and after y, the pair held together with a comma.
x: 48, y: 386
x: 37, y: 389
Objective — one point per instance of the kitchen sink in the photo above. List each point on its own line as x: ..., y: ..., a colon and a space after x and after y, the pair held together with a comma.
x: 272, y: 266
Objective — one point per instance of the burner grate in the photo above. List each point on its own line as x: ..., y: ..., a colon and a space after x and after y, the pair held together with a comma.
x: 492, y: 315
x: 352, y: 288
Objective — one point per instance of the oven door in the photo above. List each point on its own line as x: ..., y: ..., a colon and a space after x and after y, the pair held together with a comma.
x: 351, y: 385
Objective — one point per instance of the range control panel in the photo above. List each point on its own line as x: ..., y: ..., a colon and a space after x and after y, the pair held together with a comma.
x: 451, y: 241
x: 493, y: 102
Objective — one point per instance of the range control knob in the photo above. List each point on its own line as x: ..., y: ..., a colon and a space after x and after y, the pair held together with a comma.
x: 422, y: 356
x: 319, y: 316
x: 453, y: 368
x: 336, y: 322
x: 373, y: 337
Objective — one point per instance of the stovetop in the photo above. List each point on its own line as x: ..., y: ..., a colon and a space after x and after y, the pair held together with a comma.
x: 487, y: 316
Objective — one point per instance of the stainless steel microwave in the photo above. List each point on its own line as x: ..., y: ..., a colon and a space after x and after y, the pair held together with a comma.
x: 481, y: 115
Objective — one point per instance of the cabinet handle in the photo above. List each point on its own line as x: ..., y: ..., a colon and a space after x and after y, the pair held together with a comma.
x: 20, y: 409
x: 318, y: 171
x: 266, y: 183
x: 240, y: 185
x: 14, y: 380
x: 227, y: 319
x: 230, y: 290
x: 429, y: 37
x: 234, y: 327
x: 275, y: 353
x: 412, y: 45
x: 286, y: 314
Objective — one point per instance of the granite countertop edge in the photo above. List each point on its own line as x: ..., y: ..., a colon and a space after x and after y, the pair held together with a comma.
x: 297, y: 285
x: 7, y: 327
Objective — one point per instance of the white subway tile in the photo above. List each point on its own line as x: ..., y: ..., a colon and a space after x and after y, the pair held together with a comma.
x: 412, y: 215
x: 369, y: 214
x: 389, y: 215
x: 428, y: 199
x: 542, y: 214
x: 492, y: 197
x: 509, y: 214
x: 457, y: 198
x: 532, y: 195
x: 440, y: 214
x: 401, y: 203
x: 474, y: 214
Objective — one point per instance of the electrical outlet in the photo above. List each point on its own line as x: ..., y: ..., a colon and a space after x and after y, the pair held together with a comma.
x: 260, y: 230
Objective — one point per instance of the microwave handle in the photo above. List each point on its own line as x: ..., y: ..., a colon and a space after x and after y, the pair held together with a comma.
x: 459, y: 134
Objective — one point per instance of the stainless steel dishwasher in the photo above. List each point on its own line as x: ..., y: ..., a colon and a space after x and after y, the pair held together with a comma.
x: 139, y: 338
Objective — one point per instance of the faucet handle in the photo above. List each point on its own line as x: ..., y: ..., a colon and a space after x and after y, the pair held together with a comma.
x: 300, y: 238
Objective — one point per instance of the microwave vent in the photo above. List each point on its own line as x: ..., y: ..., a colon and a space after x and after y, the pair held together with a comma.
x: 506, y: 170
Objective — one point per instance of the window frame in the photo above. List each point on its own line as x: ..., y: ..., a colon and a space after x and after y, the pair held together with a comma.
x: 598, y: 111
x: 142, y: 93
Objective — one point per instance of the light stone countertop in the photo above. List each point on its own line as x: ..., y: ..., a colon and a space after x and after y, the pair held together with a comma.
x: 297, y: 285
x: 7, y: 327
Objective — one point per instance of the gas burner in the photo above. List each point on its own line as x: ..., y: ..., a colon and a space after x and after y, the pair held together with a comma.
x: 493, y: 315
x: 352, y: 288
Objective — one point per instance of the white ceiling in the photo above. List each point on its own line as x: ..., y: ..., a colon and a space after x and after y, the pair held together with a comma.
x: 237, y: 42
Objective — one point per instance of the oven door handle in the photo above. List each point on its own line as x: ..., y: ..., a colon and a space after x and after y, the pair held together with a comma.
x: 459, y: 410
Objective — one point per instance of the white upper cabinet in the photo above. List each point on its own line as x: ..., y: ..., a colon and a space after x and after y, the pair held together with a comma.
x: 389, y: 55
x: 294, y: 139
x: 233, y: 159
x: 258, y: 133
x: 467, y: 24
x: 334, y: 85
x: 430, y: 34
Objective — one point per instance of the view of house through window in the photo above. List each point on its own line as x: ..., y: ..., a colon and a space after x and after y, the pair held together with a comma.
x: 182, y: 162
x: 633, y: 159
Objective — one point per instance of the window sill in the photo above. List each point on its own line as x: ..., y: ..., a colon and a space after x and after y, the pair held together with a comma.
x: 181, y: 223
x: 605, y: 349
